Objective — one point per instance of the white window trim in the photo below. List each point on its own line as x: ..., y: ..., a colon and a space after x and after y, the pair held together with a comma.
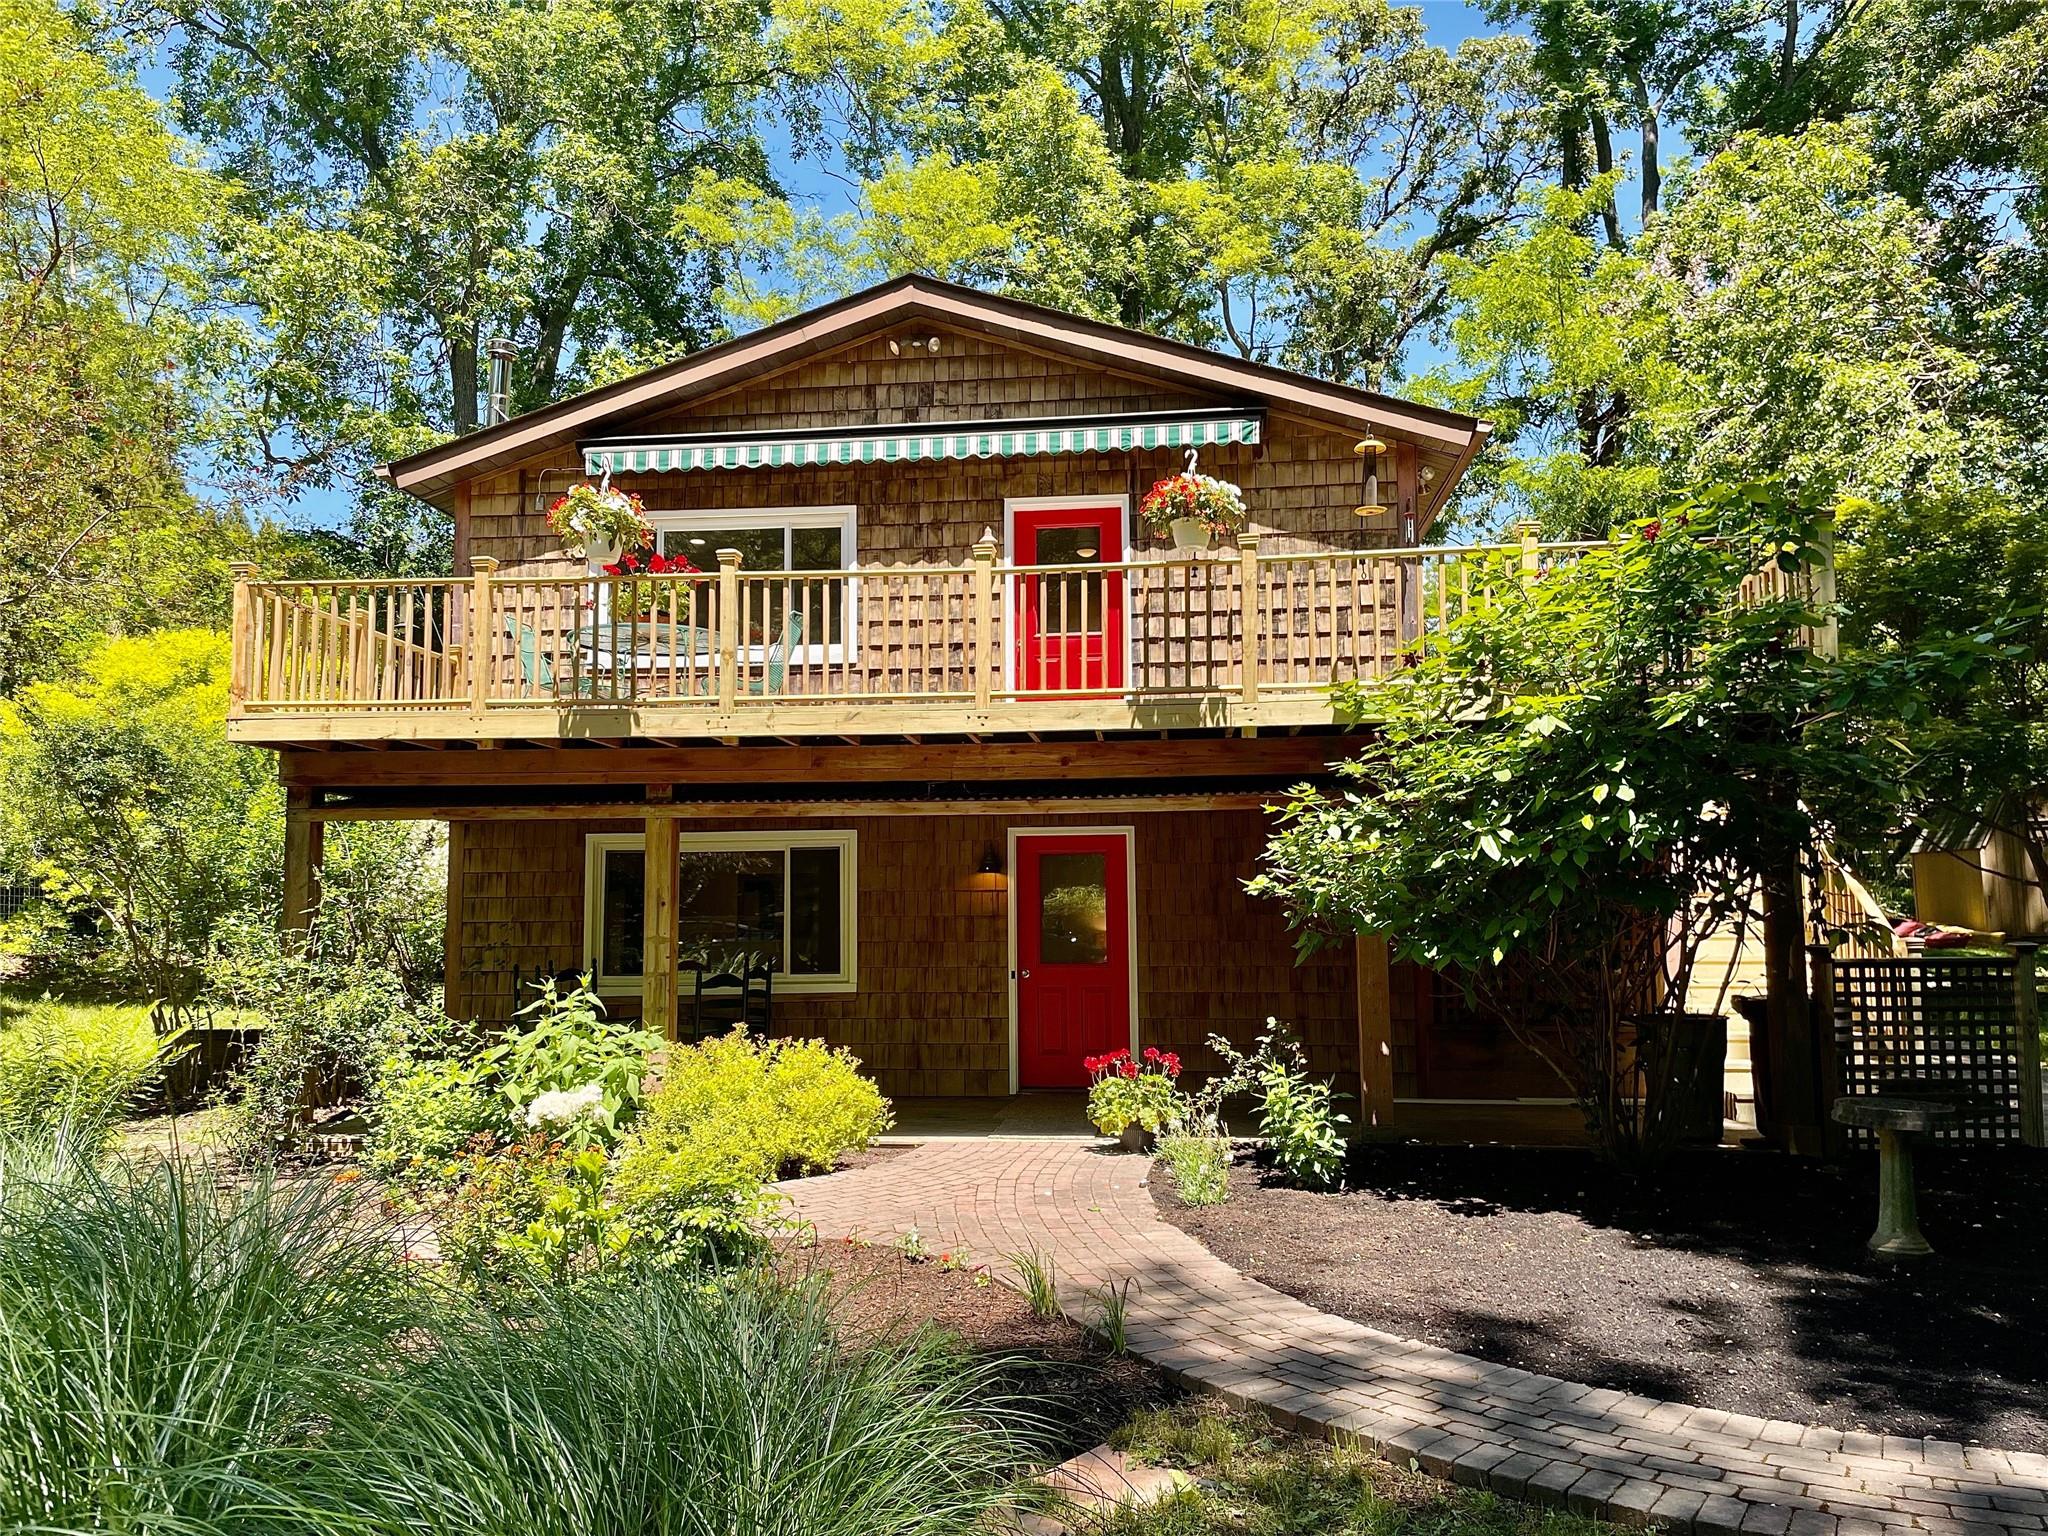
x: 597, y: 844
x: 845, y: 518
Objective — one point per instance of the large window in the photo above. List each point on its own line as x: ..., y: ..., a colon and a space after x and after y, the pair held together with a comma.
x: 788, y: 894
x: 792, y: 539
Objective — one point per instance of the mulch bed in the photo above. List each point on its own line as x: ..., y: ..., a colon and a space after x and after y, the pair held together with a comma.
x: 1080, y: 1389
x: 1740, y: 1281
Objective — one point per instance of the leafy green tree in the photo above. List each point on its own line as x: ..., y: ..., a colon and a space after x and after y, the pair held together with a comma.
x: 1588, y: 772
x: 1933, y: 570
x: 412, y: 181
x: 1282, y: 180
x: 121, y: 794
x: 1780, y: 318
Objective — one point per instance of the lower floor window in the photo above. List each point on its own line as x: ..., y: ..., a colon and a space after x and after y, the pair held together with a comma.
x: 788, y: 895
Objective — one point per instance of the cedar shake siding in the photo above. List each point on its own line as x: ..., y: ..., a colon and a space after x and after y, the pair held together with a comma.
x: 931, y: 1013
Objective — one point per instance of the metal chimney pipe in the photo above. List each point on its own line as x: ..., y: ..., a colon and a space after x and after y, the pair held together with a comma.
x: 501, y: 353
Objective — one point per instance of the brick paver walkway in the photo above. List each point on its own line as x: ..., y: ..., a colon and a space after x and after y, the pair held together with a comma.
x: 1601, y: 1452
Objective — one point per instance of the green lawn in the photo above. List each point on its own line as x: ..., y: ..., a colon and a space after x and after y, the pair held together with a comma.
x: 1252, y: 1479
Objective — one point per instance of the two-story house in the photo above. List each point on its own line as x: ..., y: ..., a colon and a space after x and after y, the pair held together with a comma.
x: 937, y: 725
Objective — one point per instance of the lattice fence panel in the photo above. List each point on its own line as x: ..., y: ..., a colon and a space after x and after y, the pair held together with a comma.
x: 1949, y: 1022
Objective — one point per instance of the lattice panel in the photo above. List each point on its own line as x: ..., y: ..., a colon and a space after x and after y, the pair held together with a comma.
x: 1951, y: 1022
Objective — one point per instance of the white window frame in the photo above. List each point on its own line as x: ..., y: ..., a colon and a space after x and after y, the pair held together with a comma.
x: 845, y: 518
x: 846, y: 980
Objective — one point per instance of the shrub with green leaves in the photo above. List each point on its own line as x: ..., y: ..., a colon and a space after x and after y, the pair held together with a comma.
x: 429, y: 1102
x: 538, y: 1211
x: 1296, y: 1117
x: 562, y: 1045
x: 79, y: 1066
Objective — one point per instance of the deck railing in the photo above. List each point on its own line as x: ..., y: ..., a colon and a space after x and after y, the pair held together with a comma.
x: 1239, y: 624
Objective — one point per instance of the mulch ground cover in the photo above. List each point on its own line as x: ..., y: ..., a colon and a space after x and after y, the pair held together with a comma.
x: 1739, y: 1281
x: 1081, y: 1390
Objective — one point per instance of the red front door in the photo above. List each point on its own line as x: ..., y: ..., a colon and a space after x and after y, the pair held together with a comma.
x: 1073, y: 917
x: 1070, y: 615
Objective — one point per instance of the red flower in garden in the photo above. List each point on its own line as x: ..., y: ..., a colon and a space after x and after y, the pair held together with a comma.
x: 1650, y: 532
x: 1127, y: 1067
x: 653, y: 564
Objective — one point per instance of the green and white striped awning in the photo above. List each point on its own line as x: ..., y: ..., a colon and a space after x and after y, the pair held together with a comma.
x: 913, y: 443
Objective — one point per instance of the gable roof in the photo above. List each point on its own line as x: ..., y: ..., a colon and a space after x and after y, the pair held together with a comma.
x: 433, y: 473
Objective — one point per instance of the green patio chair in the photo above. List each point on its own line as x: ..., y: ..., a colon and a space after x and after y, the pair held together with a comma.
x: 536, y: 671
x: 779, y: 654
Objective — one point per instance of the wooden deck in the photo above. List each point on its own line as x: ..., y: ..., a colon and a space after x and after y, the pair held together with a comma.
x: 1235, y: 639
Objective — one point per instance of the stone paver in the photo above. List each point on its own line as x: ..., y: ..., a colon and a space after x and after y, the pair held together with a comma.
x: 1599, y: 1452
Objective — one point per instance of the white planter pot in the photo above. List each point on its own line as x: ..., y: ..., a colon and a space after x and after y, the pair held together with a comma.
x: 599, y: 552
x: 1190, y: 533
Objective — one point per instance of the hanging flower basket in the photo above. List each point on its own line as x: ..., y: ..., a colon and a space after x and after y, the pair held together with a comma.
x: 1194, y: 509
x: 599, y: 523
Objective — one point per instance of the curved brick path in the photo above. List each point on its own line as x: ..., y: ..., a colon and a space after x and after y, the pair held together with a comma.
x: 1602, y: 1452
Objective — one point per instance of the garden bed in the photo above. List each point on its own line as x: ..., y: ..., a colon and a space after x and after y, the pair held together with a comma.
x: 1741, y: 1282
x: 1083, y: 1392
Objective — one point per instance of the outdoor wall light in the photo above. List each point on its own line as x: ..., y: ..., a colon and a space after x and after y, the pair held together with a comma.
x: 991, y: 861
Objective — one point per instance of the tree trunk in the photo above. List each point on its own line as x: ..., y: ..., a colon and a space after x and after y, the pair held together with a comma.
x: 1653, y: 169
x: 462, y: 380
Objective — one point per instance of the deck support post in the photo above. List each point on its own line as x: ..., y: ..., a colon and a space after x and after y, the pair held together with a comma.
x: 1248, y: 612
x: 305, y: 845
x: 1375, y: 1035
x: 1795, y: 1120
x: 728, y: 628
x: 482, y: 639
x: 985, y: 549
x: 660, y: 930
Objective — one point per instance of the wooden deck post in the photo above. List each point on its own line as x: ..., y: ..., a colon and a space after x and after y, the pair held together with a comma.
x: 728, y: 630
x: 985, y: 618
x: 2027, y: 1015
x: 244, y: 572
x: 1827, y: 638
x: 1525, y: 532
x: 1375, y: 1035
x: 305, y: 844
x: 1795, y: 1069
x: 1248, y: 612
x: 660, y: 926
x: 483, y: 639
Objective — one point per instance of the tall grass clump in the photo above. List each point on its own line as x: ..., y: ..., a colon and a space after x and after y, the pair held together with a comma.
x: 80, y: 1066
x: 672, y: 1403
x: 170, y: 1344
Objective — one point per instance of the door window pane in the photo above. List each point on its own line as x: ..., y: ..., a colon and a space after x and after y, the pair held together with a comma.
x: 814, y: 918
x: 1073, y: 909
x: 1069, y: 604
x: 731, y: 905
x: 625, y: 895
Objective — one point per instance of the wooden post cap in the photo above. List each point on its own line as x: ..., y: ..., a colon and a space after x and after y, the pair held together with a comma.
x: 729, y: 559
x: 483, y: 565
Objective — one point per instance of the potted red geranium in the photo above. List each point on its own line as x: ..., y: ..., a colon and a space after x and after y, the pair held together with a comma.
x: 1135, y: 1100
x: 645, y: 599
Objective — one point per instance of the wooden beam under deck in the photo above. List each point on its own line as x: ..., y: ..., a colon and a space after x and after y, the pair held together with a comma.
x: 721, y: 810
x: 597, y: 723
x: 1163, y: 762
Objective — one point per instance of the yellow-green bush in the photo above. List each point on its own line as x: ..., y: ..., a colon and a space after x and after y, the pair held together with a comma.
x: 85, y: 1066
x: 734, y: 1112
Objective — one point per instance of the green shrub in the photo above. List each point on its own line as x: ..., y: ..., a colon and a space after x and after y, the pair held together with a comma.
x: 568, y: 1054
x: 736, y: 1109
x: 428, y: 1104
x: 1200, y: 1166
x: 1296, y: 1119
x: 536, y: 1211
x: 82, y: 1066
x: 326, y: 1028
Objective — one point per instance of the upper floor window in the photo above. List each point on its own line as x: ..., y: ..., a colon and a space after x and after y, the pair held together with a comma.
x: 790, y: 539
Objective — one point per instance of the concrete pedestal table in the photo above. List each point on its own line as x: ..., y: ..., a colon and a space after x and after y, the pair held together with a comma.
x: 1897, y: 1118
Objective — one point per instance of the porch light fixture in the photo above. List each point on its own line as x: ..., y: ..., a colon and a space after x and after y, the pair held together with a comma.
x: 1369, y: 449
x: 991, y: 861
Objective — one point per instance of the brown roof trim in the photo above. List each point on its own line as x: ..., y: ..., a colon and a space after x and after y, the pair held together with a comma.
x: 432, y: 473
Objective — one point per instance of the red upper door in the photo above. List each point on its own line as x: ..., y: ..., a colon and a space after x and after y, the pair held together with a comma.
x: 1073, y: 917
x: 1070, y: 614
